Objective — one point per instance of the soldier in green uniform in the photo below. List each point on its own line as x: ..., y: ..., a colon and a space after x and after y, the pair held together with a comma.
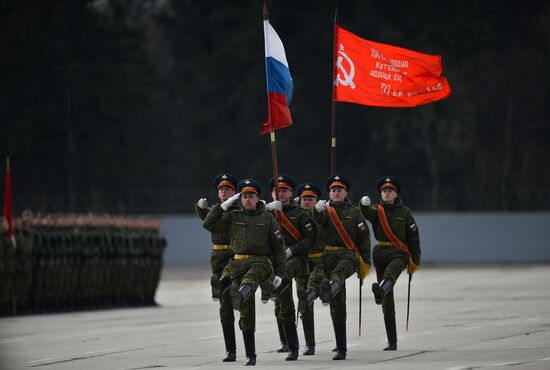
x: 308, y: 288
x: 396, y: 248
x: 299, y: 234
x: 340, y: 221
x: 259, y: 251
x: 222, y: 253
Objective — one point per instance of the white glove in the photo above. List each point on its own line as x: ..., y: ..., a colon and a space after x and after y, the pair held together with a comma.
x: 202, y: 203
x: 288, y: 253
x: 276, y: 204
x: 297, y: 200
x: 321, y: 206
x: 263, y: 201
x: 365, y: 201
x: 277, y: 281
x: 225, y: 205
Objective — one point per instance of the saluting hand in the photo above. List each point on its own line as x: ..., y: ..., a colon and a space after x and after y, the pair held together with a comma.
x: 202, y: 203
x: 225, y: 205
x: 365, y: 201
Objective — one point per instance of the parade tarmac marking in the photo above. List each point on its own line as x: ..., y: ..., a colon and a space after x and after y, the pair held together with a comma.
x: 128, y: 329
x: 15, y: 340
x: 101, y: 351
x: 41, y: 360
x: 469, y: 328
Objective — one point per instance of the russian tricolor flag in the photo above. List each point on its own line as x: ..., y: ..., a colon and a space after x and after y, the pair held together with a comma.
x: 279, y: 83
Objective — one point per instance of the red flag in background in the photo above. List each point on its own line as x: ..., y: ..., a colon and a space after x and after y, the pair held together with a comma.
x: 370, y: 73
x: 7, y: 201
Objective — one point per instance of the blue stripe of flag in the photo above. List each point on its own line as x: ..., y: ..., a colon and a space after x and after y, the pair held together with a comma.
x: 278, y: 78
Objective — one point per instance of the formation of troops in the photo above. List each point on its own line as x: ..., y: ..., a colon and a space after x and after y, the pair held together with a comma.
x: 318, y: 244
x: 72, y: 262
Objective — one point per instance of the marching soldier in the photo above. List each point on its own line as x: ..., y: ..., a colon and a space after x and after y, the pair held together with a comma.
x: 258, y: 245
x: 299, y: 234
x: 308, y: 289
x: 397, y: 247
x: 222, y: 253
x: 347, y: 250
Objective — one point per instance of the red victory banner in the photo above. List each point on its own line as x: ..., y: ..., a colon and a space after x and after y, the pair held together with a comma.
x: 381, y: 75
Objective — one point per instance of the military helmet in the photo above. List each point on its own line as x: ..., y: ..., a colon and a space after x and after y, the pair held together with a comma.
x: 388, y: 182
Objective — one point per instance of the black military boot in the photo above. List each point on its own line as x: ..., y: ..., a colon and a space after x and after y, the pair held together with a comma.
x: 230, y: 343
x: 391, y: 333
x: 380, y: 290
x: 325, y: 294
x: 291, y: 335
x: 335, y: 288
x: 305, y: 299
x: 284, y: 345
x: 238, y: 297
x: 309, y: 334
x: 285, y: 283
x: 302, y: 301
x: 249, y: 347
x: 219, y: 286
x: 264, y: 286
x: 341, y: 346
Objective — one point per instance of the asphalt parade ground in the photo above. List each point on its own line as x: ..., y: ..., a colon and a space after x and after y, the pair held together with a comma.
x: 495, y: 317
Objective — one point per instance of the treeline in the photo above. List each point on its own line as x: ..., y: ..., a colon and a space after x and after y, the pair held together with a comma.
x: 134, y: 106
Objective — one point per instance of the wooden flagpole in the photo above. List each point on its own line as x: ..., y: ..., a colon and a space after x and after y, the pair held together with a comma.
x: 272, y: 132
x: 333, y: 119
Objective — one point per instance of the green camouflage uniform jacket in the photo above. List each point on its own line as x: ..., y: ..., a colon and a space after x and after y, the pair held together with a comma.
x: 401, y: 222
x: 253, y: 233
x: 302, y: 221
x: 354, y: 223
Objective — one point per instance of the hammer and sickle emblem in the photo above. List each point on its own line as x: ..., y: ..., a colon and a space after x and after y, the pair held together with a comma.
x: 347, y: 79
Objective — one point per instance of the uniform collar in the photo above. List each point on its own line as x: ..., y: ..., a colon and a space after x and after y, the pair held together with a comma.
x: 290, y: 206
x: 339, y: 204
x: 397, y: 203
